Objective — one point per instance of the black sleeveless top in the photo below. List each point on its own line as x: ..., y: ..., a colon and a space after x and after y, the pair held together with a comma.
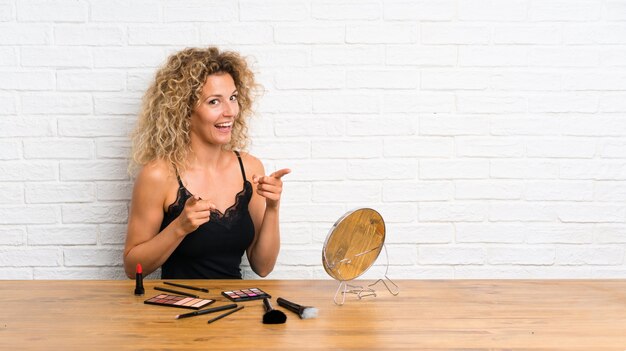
x: 214, y: 250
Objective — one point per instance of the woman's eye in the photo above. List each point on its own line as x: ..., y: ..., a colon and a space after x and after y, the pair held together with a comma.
x: 214, y: 102
x: 233, y: 98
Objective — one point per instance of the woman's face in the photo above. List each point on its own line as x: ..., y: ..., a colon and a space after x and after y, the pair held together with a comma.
x: 212, y: 119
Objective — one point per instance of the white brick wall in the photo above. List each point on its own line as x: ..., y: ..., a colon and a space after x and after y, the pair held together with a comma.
x: 489, y: 134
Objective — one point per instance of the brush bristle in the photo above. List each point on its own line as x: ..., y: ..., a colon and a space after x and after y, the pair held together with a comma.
x: 309, y: 312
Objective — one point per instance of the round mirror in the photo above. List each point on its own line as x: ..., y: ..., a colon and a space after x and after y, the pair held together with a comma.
x: 353, y: 244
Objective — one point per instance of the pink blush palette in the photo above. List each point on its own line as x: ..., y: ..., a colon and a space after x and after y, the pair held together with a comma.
x: 178, y: 301
x: 246, y: 294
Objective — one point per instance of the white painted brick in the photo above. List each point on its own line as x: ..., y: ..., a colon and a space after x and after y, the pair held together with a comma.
x: 489, y: 147
x: 385, y: 125
x: 280, y: 102
x: 429, y: 233
x: 312, y: 170
x: 525, y: 81
x: 559, y: 102
x: 487, y: 190
x: 311, y: 213
x: 277, y: 56
x: 309, y: 34
x: 309, y: 78
x: 27, y: 80
x: 414, y: 55
x: 605, y: 81
x: 345, y: 103
x: 487, y: 56
x: 93, y: 170
x: 490, y: 233
x: 593, y: 169
x: 419, y: 147
x: 453, y: 125
x: 16, y: 273
x: 560, y: 233
x: 95, y: 127
x: 417, y: 191
x: 274, y: 10
x: 402, y: 255
x: 398, y: 212
x: 454, y: 80
x: 521, y: 211
x: 595, y: 255
x: 128, y: 57
x: 492, y: 10
x: 607, y: 273
x: 28, y: 257
x: 82, y: 273
x: 420, y: 10
x: 613, y: 102
x: 279, y: 150
x: 373, y: 169
x: 14, y: 34
x: 439, y: 33
x: 346, y: 10
x: 28, y: 170
x: 489, y: 103
x: 112, y: 148
x: 452, y: 212
x: 138, y: 80
x: 117, y: 105
x: 85, y: 80
x: 300, y: 257
x: 593, y: 125
x: 59, y: 192
x: 613, y: 56
x: 521, y: 255
x: 612, y: 148
x: 559, y: 191
x: 12, y: 236
x: 237, y: 34
x: 383, y: 79
x: 55, y: 11
x: 58, y: 148
x: 281, y: 272
x: 8, y: 57
x: 526, y: 125
x: 10, y: 150
x: 368, y: 192
x: 615, y: 9
x: 367, y: 148
x: 7, y: 104
x: 55, y: 57
x: 386, y: 33
x: 562, y: 148
x: 11, y: 194
x: 415, y: 272
x: 56, y: 103
x: 93, y: 257
x: 294, y: 192
x: 31, y: 214
x: 88, y: 35
x: 418, y: 102
x: 592, y: 212
x: 62, y: 235
x: 112, y: 234
x: 542, y: 34
x: 522, y: 272
x: 450, y: 255
x: 124, y: 11
x: 199, y: 11
x: 95, y: 213
x: 295, y: 234
x: 610, y: 233
x: 322, y: 229
x: 7, y: 10
x: 347, y: 55
x: 594, y: 34
x: 309, y: 127
x: 454, y: 169
x: 563, y: 57
x: 565, y: 10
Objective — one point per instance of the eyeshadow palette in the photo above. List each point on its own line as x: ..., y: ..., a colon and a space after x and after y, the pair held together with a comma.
x: 178, y: 301
x: 246, y: 294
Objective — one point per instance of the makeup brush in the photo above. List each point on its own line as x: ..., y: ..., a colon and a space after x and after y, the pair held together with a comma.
x: 305, y: 312
x: 271, y: 315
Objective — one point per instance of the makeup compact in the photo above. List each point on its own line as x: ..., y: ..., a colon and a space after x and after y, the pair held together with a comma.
x: 178, y: 301
x: 246, y: 294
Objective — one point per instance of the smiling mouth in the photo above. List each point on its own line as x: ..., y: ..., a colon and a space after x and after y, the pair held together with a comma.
x: 224, y: 126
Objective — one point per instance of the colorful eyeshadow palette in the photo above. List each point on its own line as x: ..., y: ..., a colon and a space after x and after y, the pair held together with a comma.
x: 178, y: 301
x: 246, y: 294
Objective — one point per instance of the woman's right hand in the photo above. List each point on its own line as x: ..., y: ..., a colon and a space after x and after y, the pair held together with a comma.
x: 195, y: 213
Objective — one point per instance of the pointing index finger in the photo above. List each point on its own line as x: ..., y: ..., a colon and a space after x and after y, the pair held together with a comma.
x: 280, y: 173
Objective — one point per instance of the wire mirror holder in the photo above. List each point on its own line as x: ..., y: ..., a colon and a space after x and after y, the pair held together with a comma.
x: 351, y: 248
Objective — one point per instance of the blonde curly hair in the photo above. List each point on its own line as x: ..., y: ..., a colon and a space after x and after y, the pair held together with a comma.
x: 162, y: 130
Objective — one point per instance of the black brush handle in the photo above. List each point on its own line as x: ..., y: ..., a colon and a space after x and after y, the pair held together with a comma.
x: 293, y: 307
x: 267, y: 305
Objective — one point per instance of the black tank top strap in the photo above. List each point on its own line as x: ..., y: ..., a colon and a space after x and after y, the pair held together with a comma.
x: 243, y: 172
x: 180, y: 182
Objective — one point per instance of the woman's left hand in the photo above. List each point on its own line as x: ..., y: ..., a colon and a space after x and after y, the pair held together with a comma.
x: 270, y: 187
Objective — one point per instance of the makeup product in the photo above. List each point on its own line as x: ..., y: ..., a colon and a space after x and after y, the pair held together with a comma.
x: 178, y: 301
x: 271, y: 315
x: 208, y: 310
x: 246, y: 294
x: 305, y: 312
x: 139, y: 290
x: 187, y: 287
x: 175, y: 291
x: 225, y: 314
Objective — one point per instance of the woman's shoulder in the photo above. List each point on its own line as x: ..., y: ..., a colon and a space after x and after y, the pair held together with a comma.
x: 251, y: 162
x: 156, y: 173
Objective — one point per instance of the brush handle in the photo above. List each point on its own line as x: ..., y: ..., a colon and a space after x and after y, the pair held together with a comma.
x: 293, y: 307
x: 267, y: 305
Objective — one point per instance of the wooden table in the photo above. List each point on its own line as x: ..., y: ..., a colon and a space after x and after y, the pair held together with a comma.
x: 431, y: 314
